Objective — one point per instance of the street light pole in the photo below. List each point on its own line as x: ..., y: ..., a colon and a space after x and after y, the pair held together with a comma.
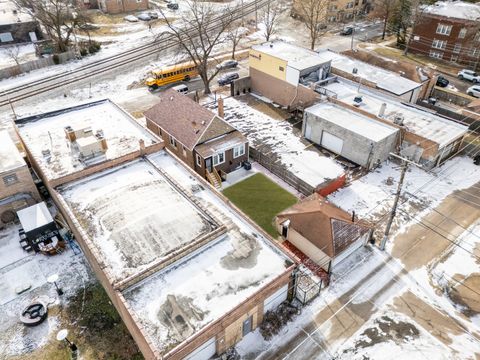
x: 353, y: 29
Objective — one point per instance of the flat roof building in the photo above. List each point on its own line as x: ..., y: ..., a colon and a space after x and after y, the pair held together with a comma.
x: 428, y: 138
x: 353, y: 136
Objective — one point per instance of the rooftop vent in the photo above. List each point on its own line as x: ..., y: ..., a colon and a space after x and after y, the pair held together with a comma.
x: 398, y: 119
x: 357, y: 100
x: 354, y: 71
x: 271, y: 45
x: 383, y: 107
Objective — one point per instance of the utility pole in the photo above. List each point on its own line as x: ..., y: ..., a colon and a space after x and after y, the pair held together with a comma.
x: 256, y: 16
x: 395, y: 204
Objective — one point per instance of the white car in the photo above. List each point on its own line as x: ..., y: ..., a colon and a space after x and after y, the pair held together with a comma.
x: 469, y: 75
x: 474, y: 91
x: 130, y: 18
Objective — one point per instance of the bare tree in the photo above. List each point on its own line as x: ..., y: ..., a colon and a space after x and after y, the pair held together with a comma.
x: 58, y: 18
x: 198, y: 31
x: 234, y: 35
x: 270, y: 19
x: 383, y: 10
x: 13, y: 52
x: 416, y: 17
x: 313, y: 14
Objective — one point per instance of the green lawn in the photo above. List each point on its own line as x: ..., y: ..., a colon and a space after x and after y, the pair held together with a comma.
x: 261, y: 199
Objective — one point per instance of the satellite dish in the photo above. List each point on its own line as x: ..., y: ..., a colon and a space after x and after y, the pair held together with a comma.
x: 52, y: 278
x: 62, y: 334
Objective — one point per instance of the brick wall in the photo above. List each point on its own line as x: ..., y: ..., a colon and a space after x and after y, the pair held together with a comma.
x: 121, y: 6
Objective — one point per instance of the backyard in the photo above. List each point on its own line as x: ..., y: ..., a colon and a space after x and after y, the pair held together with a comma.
x: 261, y: 199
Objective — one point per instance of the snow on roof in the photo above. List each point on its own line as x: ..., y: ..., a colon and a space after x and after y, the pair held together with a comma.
x: 296, y: 56
x: 383, y: 79
x: 177, y: 302
x: 7, y: 15
x: 34, y: 216
x: 354, y: 122
x: 10, y: 157
x: 454, y: 9
x: 133, y: 216
x: 279, y: 140
x: 417, y: 121
x: 45, y: 132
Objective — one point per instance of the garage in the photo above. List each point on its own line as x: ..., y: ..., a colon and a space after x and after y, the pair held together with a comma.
x: 204, y: 351
x: 332, y: 142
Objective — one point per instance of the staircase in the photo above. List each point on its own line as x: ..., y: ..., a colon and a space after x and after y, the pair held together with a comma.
x: 214, y: 178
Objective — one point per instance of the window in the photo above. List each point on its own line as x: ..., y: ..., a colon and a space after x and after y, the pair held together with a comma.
x: 436, y: 54
x: 10, y: 179
x: 439, y: 44
x: 218, y: 159
x: 173, y: 142
x: 454, y: 58
x: 462, y: 33
x: 349, y: 5
x: 184, y: 151
x: 475, y: 52
x: 444, y: 29
x: 457, y: 48
x: 281, y: 68
x: 238, y: 151
x: 199, y: 160
x: 477, y: 37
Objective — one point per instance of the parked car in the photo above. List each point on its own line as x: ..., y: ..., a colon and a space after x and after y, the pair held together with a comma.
x: 153, y: 15
x: 469, y: 75
x: 474, y: 91
x: 182, y: 88
x: 347, y: 31
x: 442, y: 82
x: 226, y: 79
x: 130, y: 18
x: 144, y: 17
x: 227, y: 64
x: 172, y: 5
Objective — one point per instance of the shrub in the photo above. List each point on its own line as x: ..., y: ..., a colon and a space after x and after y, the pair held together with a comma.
x: 83, y: 52
x: 56, y: 59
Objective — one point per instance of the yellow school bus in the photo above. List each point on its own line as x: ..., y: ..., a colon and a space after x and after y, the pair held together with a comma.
x: 171, y: 74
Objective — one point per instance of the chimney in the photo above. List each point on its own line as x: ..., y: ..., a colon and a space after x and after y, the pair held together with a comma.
x: 141, y: 142
x: 381, y: 113
x: 221, y: 113
x: 353, y: 216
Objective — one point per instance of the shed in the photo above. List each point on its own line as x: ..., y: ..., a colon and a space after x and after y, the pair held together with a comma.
x: 354, y: 136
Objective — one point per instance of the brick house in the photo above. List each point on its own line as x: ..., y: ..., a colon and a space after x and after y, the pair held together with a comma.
x: 122, y: 6
x: 17, y: 189
x: 449, y: 31
x: 203, y: 140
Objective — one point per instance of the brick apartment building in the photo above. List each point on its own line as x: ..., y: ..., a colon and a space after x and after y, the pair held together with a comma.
x: 449, y: 30
x: 122, y: 6
x: 337, y: 10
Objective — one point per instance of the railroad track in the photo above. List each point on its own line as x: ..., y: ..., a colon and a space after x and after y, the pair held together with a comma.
x: 102, y: 66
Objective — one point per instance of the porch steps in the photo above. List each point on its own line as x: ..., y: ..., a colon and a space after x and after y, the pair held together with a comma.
x: 214, y: 179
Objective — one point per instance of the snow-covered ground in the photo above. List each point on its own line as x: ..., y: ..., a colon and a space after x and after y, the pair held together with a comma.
x: 22, y: 53
x: 276, y: 138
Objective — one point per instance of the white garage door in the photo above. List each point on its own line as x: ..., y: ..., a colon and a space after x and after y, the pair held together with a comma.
x: 349, y: 250
x: 275, y: 299
x: 332, y: 143
x: 204, y: 351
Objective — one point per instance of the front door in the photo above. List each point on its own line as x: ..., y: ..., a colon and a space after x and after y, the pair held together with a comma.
x: 208, y: 164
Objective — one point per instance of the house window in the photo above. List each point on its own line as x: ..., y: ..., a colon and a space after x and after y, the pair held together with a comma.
x: 199, y: 160
x: 218, y: 159
x: 454, y: 58
x: 462, y: 33
x: 457, y: 48
x: 475, y: 52
x: 349, y: 5
x: 436, y: 54
x: 184, y: 151
x: 439, y: 44
x: 444, y: 29
x: 173, y: 142
x: 281, y: 68
x: 247, y: 325
x: 477, y: 37
x: 239, y: 151
x: 10, y: 179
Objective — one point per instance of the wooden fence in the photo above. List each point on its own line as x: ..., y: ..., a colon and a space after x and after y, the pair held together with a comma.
x: 34, y: 64
x: 292, y: 180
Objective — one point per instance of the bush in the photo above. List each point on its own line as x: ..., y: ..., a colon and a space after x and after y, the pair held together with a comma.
x: 83, y: 52
x: 94, y: 47
x: 273, y: 321
x: 56, y: 59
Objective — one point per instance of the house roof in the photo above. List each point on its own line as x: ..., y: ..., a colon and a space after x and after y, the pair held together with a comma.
x: 225, y: 142
x: 454, y: 9
x: 184, y: 119
x: 326, y: 226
